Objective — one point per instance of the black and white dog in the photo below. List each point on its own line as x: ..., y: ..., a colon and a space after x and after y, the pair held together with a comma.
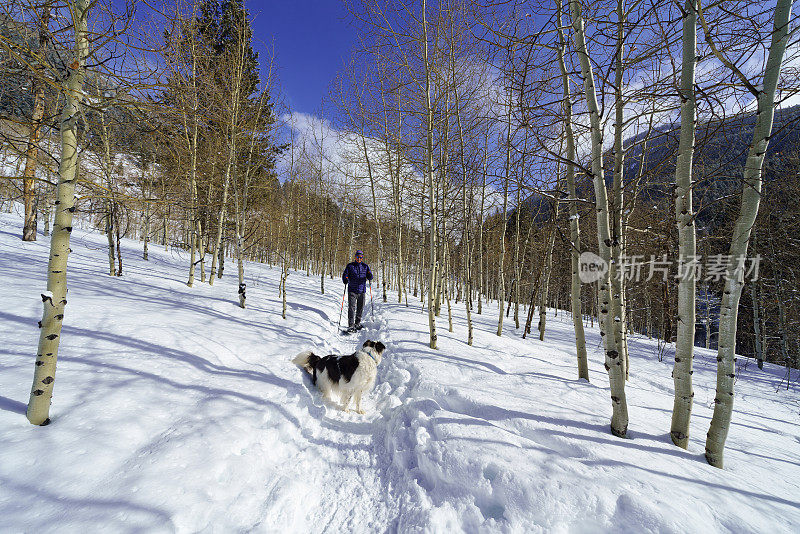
x: 348, y: 376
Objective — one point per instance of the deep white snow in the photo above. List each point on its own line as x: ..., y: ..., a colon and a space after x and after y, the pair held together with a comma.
x: 175, y: 410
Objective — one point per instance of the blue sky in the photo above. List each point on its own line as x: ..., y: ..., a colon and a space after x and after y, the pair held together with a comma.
x: 312, y: 40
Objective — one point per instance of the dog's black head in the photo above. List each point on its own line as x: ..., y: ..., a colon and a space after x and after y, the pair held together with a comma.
x: 377, y: 345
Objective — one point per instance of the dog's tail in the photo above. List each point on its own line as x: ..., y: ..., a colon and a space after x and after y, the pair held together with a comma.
x: 306, y: 360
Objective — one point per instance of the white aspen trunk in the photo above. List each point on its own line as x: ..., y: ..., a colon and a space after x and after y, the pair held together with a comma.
x: 447, y: 287
x: 418, y: 273
x: 194, y: 245
x: 782, y: 321
x: 431, y: 186
x: 35, y: 135
x: 546, y: 274
x: 119, y: 249
x: 617, y: 293
x: 751, y: 196
x: 375, y: 216
x: 197, y: 229
x: 500, y: 268
x: 230, y: 163
x: 516, y: 237
x: 707, y: 319
x: 309, y: 239
x: 443, y: 272
x: 46, y: 213
x: 481, y: 286
x: 574, y: 221
x: 197, y: 242
x: 109, y: 202
x: 146, y: 210
x: 754, y: 296
x: 684, y: 218
x: 350, y: 250
x: 401, y: 276
x: 216, y: 252
x: 109, y: 230
x: 323, y: 257
x: 320, y: 178
x: 530, y: 305
x: 240, y: 263
x: 284, y: 276
x: 239, y: 245
x: 55, y: 300
x: 465, y: 258
x: 335, y: 247
x: 613, y: 362
x: 401, y: 289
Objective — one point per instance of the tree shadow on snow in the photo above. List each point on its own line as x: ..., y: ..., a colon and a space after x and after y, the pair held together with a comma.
x: 86, y: 511
x: 179, y: 356
x: 12, y: 406
x: 690, y: 480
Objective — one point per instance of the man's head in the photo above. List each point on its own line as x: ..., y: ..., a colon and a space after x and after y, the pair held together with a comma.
x: 359, y: 255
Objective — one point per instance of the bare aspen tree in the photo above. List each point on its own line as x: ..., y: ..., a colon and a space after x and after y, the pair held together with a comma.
x: 217, y: 251
x: 481, y: 219
x: 32, y: 152
x: 395, y: 173
x: 548, y: 267
x: 55, y: 300
x: 574, y: 222
x: 146, y: 231
x: 239, y: 207
x: 684, y: 218
x: 613, y: 363
x: 187, y: 44
x: 107, y: 169
x: 465, y: 210
x: 751, y: 197
x: 617, y: 292
x: 518, y: 203
x: 320, y: 178
x: 428, y: 108
x: 501, y: 268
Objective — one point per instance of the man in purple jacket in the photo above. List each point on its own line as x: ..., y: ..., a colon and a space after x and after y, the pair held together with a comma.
x: 355, y: 275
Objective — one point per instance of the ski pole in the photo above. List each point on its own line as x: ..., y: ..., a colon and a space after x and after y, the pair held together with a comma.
x: 339, y: 324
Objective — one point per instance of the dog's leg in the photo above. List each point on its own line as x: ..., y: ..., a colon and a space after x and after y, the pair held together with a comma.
x: 346, y: 401
x: 358, y: 403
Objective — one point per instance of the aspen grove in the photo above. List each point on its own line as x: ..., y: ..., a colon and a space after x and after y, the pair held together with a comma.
x: 478, y: 152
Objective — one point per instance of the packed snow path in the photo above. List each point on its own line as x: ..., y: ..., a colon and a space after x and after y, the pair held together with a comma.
x: 175, y: 410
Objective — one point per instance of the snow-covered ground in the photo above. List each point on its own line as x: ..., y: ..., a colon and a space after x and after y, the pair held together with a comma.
x: 175, y: 410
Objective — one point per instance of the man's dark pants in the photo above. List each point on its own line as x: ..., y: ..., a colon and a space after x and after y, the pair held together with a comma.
x: 355, y: 305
